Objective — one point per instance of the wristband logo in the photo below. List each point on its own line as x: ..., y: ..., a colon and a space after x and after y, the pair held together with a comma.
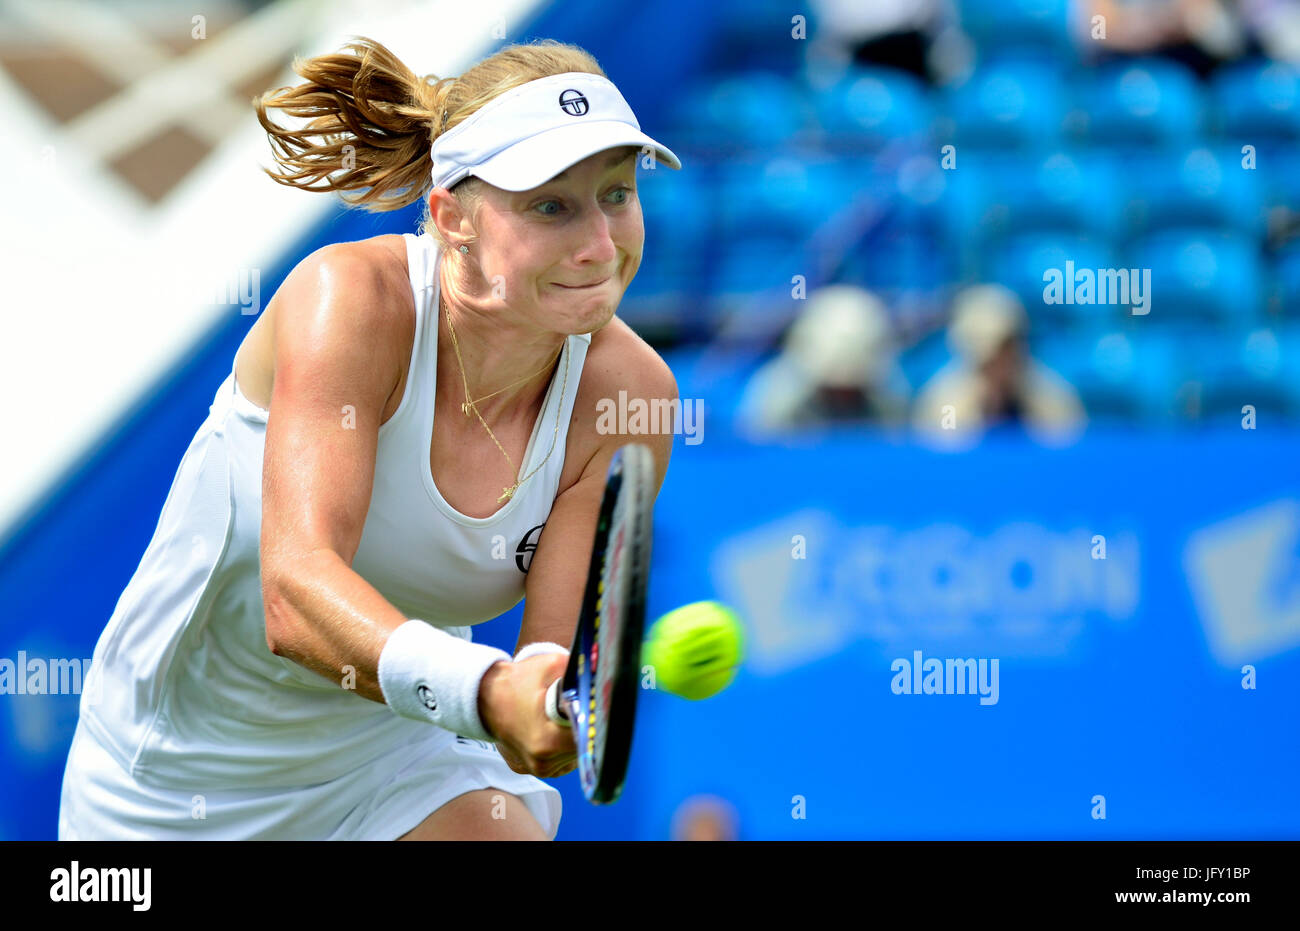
x: 425, y: 694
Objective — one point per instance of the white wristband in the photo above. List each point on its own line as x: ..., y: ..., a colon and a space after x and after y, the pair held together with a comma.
x: 430, y: 675
x: 537, y: 649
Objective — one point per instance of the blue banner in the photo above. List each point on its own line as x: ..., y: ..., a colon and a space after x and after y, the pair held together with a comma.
x: 1008, y: 642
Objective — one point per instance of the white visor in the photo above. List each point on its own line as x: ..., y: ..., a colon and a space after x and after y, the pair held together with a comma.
x: 531, y: 133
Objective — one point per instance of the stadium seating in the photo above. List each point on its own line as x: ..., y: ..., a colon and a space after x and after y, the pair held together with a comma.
x: 753, y: 111
x: 1021, y: 262
x: 1017, y: 24
x: 1258, y: 101
x: 1121, y: 375
x: 1202, y: 275
x: 1142, y: 102
x: 1256, y: 366
x: 1286, y: 298
x: 870, y: 108
x: 1012, y: 103
x: 1201, y: 187
x: 1132, y: 164
x: 994, y: 194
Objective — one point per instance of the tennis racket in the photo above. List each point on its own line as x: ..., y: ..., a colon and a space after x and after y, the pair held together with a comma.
x: 597, y: 696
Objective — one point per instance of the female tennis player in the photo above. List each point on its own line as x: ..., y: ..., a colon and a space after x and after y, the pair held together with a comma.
x: 406, y: 445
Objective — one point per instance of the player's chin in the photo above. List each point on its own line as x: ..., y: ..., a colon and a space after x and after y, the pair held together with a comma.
x: 590, y: 316
x: 558, y: 772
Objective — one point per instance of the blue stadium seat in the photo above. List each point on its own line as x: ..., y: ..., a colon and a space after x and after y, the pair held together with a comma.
x: 677, y: 209
x: 1019, y: 23
x: 755, y: 33
x: 778, y: 194
x: 677, y: 206
x: 1286, y: 280
x: 994, y: 195
x: 753, y: 110
x: 1279, y: 175
x: 750, y: 283
x: 1146, y: 100
x: 1257, y: 101
x: 1009, y: 103
x: 1121, y: 374
x: 1021, y: 262
x: 1200, y: 187
x: 873, y: 107
x: 1256, y: 366
x: 923, y: 359
x: 1201, y: 274
x: 897, y: 258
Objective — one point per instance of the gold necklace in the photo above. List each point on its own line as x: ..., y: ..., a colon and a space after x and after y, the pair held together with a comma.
x: 465, y: 407
x: 508, y: 492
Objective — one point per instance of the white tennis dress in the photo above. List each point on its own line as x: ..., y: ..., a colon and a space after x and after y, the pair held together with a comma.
x: 191, y: 727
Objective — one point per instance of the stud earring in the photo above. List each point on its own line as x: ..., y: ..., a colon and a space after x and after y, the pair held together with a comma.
x: 464, y: 250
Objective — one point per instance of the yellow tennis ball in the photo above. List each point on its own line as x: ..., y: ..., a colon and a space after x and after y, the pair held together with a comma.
x: 695, y: 650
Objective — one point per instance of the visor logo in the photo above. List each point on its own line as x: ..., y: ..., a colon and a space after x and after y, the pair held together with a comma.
x: 573, y: 103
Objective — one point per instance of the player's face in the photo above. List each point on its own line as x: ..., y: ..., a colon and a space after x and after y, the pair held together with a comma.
x: 565, y: 252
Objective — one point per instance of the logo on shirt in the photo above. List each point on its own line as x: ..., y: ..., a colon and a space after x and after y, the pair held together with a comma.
x: 425, y: 694
x: 573, y: 103
x: 524, y: 551
x: 481, y: 744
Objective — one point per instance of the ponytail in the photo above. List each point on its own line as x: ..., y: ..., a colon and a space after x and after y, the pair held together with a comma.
x: 373, y: 120
x: 369, y: 130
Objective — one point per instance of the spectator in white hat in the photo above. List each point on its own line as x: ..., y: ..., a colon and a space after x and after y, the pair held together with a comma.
x: 838, y: 365
x: 991, y: 379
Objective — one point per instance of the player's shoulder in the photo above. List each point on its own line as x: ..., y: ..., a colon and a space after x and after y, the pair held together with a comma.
x: 361, y: 266
x: 338, y: 298
x: 619, y: 359
x: 350, y: 289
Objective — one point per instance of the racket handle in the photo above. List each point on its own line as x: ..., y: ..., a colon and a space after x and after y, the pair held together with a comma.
x: 554, y: 710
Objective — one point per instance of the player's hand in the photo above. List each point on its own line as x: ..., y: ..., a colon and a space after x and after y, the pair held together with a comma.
x: 512, y: 706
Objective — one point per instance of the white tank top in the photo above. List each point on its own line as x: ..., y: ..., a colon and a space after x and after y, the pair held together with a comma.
x: 188, y: 691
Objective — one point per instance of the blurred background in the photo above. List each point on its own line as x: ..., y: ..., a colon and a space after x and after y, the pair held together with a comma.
x: 992, y: 308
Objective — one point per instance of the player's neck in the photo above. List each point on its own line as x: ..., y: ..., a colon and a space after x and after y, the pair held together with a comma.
x: 494, y: 354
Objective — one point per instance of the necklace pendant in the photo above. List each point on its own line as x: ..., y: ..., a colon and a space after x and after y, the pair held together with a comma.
x: 509, y: 493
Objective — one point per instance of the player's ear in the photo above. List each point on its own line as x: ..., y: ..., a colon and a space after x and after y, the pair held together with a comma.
x: 449, y: 216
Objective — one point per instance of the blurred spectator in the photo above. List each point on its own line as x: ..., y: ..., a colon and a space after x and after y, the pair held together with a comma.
x: 992, y: 380
x: 1275, y: 25
x: 705, y: 817
x: 889, y: 33
x: 1202, y: 34
x: 838, y: 365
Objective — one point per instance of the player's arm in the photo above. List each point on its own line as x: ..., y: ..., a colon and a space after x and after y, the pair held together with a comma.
x: 342, y: 331
x: 557, y: 575
x: 339, y: 336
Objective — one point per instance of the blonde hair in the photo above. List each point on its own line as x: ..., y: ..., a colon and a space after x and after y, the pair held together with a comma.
x: 373, y: 120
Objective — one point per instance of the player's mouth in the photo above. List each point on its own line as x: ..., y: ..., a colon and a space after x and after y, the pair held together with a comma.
x: 584, y: 287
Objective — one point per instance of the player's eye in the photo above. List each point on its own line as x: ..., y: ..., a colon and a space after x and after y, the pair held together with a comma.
x: 623, y: 196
